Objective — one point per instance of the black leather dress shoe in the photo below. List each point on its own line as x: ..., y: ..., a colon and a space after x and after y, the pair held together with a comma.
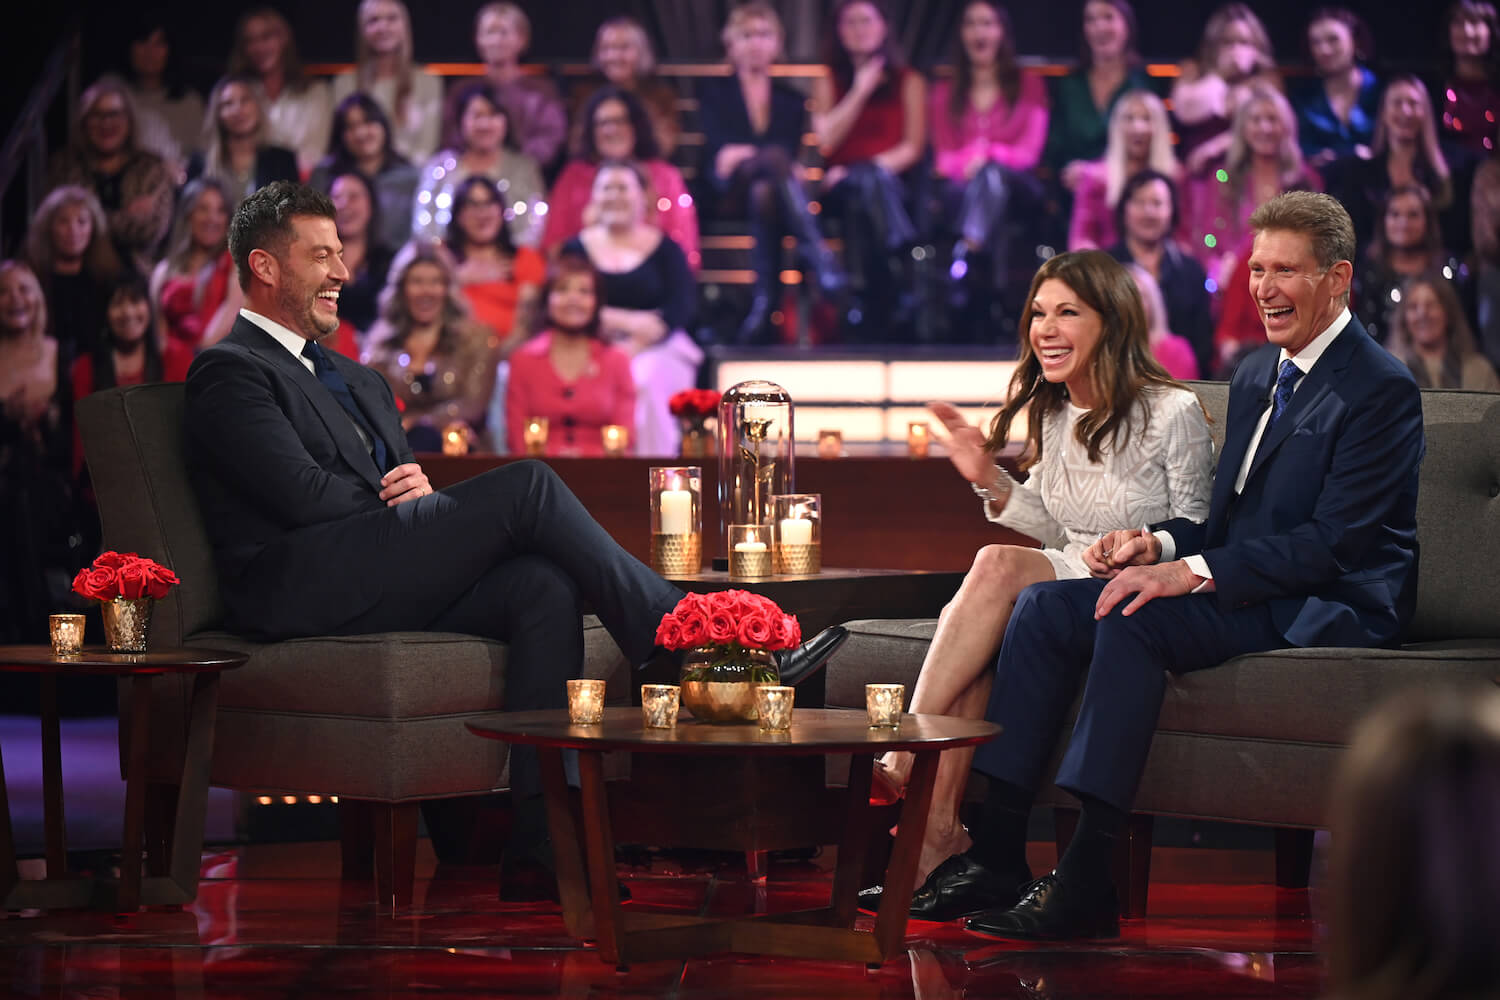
x: 958, y: 887
x: 1053, y: 910
x: 797, y: 665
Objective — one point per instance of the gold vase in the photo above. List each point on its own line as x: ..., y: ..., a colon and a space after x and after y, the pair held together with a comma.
x: 126, y: 622
x: 719, y: 682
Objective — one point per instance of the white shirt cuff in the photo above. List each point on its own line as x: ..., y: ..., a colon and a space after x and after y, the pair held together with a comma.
x: 1168, y: 546
x: 1199, y: 566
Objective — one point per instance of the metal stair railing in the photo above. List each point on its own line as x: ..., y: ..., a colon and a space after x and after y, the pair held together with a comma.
x: 25, y: 147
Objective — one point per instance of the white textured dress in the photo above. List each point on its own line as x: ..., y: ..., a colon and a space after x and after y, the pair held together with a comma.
x: 1165, y: 469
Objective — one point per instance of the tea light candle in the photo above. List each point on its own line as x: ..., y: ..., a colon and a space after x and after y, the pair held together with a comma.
x: 918, y: 437
x: 676, y: 512
x: 456, y: 438
x: 585, y: 701
x: 830, y: 444
x: 535, y: 435
x: 773, y: 707
x: 750, y: 554
x: 615, y: 438
x: 67, y: 633
x: 659, y: 704
x: 883, y: 704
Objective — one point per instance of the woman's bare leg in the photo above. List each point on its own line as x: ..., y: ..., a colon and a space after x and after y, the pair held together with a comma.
x: 946, y: 834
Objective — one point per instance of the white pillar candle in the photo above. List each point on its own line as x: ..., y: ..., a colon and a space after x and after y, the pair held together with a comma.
x: 676, y: 512
x: 796, y: 531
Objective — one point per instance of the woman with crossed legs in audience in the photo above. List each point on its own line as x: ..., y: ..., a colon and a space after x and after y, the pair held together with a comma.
x: 1111, y: 439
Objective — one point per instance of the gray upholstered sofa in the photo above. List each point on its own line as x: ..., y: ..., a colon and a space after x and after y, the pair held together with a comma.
x: 1256, y: 740
x: 377, y: 720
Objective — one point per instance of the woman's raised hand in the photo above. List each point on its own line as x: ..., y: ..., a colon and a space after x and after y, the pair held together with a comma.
x: 966, y: 445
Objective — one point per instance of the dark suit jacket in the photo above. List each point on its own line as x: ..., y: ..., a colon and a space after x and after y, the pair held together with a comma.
x: 1189, y: 309
x: 282, y: 478
x: 1325, y: 531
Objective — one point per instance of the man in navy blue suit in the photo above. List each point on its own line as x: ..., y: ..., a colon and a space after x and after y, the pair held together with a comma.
x: 1310, y: 541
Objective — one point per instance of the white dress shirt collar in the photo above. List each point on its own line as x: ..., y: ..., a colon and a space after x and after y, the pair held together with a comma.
x: 1309, y: 355
x: 284, y: 336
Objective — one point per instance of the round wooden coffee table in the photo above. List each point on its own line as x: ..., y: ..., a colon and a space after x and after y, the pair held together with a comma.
x: 174, y: 861
x: 732, y: 787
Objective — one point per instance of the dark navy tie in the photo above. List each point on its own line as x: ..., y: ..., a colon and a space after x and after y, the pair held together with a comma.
x: 1286, y: 381
x: 334, y: 383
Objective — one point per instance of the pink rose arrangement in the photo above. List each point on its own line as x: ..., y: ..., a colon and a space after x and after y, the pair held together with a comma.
x: 127, y: 575
x: 728, y: 619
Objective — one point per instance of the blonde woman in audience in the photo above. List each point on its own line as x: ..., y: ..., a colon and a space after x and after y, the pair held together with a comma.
x: 623, y: 58
x: 1429, y: 332
x: 298, y: 108
x: 384, y: 69
x: 1140, y: 138
x: 538, y: 119
x: 440, y: 363
x: 28, y: 357
x: 479, y: 142
x: 69, y: 249
x: 236, y: 149
x: 1234, y: 55
x: 134, y: 186
x: 194, y: 287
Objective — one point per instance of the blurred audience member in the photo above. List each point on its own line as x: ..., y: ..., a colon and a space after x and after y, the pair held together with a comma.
x: 1172, y: 352
x: 617, y: 129
x: 440, y: 363
x: 1235, y: 54
x: 70, y: 253
x: 1414, y: 874
x: 869, y: 114
x: 28, y: 361
x: 194, y: 286
x: 297, y: 108
x: 499, y: 280
x: 649, y: 300
x: 1336, y: 110
x: 1140, y: 138
x: 1147, y: 215
x: 411, y: 97
x: 567, y: 374
x: 361, y: 142
x: 1407, y: 244
x: 1429, y: 332
x: 366, y: 255
x: 1083, y: 101
x: 478, y: 141
x: 1471, y: 93
x: 134, y: 186
x: 752, y: 133
x: 1484, y: 262
x: 538, y: 120
x: 623, y: 58
x: 236, y: 150
x: 171, y: 111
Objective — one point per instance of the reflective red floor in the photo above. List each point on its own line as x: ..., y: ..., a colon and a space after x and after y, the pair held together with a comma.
x: 270, y: 922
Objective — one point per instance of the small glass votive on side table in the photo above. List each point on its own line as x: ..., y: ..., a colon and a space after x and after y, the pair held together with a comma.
x: 585, y: 701
x: 67, y: 634
x: 773, y: 707
x: 883, y: 704
x: 659, y: 703
x: 749, y: 551
x: 535, y: 436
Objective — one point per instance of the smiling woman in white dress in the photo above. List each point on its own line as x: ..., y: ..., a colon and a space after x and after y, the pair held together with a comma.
x: 1112, y: 440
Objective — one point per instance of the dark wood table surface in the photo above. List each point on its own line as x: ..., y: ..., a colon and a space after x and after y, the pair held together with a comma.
x: 172, y: 857
x: 732, y: 787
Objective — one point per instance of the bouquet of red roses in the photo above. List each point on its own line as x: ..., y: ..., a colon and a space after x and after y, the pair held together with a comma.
x: 694, y: 403
x: 728, y: 618
x: 124, y: 575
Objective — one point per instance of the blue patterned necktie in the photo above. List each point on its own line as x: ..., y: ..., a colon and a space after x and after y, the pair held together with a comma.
x: 1286, y: 381
x: 334, y: 383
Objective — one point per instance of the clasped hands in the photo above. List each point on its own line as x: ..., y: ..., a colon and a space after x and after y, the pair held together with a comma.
x: 1128, y: 559
x: 403, y: 483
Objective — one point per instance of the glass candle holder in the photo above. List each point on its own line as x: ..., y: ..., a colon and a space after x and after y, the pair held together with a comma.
x: 67, y: 633
x: 830, y: 444
x: 883, y: 704
x: 799, y: 533
x: 615, y: 439
x: 535, y: 436
x: 676, y: 520
x: 585, y: 701
x: 756, y: 453
x: 749, y: 551
x: 773, y: 707
x: 659, y: 704
x: 458, y: 437
x: 918, y: 439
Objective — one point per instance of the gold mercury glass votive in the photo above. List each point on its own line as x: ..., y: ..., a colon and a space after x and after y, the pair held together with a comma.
x: 615, y: 439
x: 67, y: 633
x: 535, y: 435
x: 773, y: 705
x: 883, y: 704
x: 457, y: 438
x: 585, y: 701
x: 749, y: 551
x: 676, y: 520
x: 659, y: 703
x: 918, y: 438
x: 799, y: 533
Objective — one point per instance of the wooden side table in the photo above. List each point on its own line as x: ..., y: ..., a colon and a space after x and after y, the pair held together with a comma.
x: 174, y: 875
